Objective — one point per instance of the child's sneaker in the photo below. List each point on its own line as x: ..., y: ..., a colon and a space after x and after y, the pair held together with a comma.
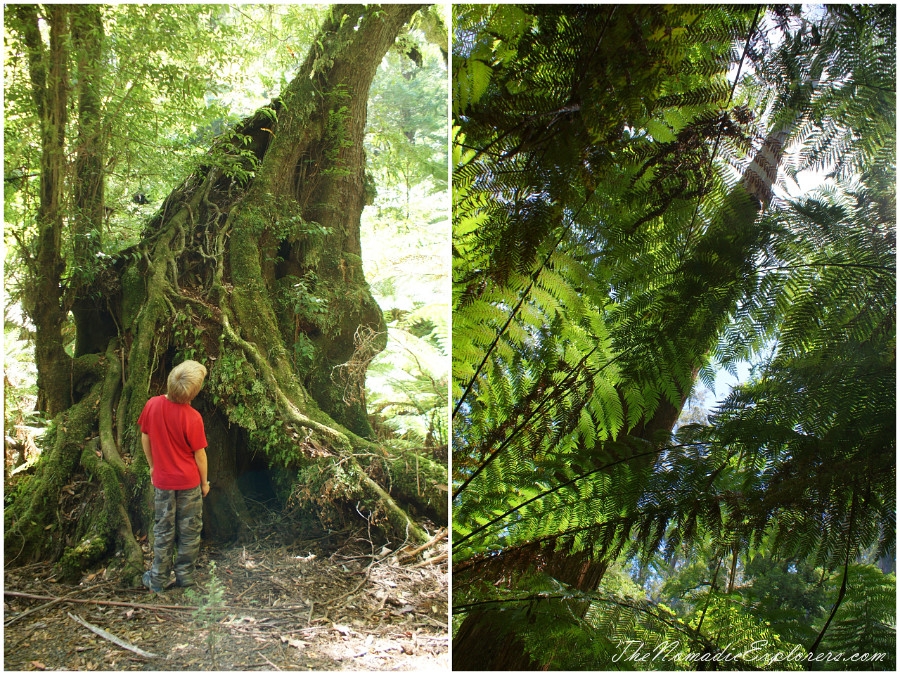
x: 148, y: 584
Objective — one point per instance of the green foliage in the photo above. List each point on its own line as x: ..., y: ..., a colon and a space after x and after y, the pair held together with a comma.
x: 235, y: 161
x: 605, y: 256
x: 866, y: 620
x: 408, y: 381
x: 336, y: 137
x: 210, y: 599
x: 788, y: 594
x: 174, y: 77
x: 237, y: 390
x: 187, y: 335
x: 19, y: 375
x: 406, y: 140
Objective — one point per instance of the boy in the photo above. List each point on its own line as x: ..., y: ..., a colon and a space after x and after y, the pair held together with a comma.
x: 174, y: 442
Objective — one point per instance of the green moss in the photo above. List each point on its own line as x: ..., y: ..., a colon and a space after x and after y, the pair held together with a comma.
x: 134, y: 294
x: 421, y: 482
x: 76, y: 559
x: 238, y: 390
x: 35, y: 509
x: 111, y: 480
x: 330, y: 399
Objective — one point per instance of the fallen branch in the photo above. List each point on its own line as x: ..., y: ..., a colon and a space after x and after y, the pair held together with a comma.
x: 112, y: 638
x: 19, y: 617
x: 113, y: 603
x: 177, y: 608
x: 416, y: 551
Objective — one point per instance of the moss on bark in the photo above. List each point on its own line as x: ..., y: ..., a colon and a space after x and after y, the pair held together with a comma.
x: 32, y: 521
x: 419, y: 482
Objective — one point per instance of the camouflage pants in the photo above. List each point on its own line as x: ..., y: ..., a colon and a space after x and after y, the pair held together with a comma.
x: 179, y: 519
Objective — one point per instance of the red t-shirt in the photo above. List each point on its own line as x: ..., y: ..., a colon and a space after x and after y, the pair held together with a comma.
x: 176, y: 433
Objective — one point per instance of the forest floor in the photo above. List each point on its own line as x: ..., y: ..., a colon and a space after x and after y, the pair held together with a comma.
x: 280, y: 603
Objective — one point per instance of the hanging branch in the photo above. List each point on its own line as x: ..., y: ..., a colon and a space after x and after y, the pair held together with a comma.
x: 843, y: 591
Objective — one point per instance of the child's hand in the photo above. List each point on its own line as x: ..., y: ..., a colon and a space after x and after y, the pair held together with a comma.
x: 204, y: 488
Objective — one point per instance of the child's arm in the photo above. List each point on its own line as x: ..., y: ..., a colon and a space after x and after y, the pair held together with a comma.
x: 145, y: 444
x: 200, y: 458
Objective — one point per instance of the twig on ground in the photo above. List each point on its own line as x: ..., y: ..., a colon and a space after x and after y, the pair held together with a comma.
x: 112, y: 638
x: 243, y: 593
x: 112, y: 603
x: 416, y: 551
x: 433, y: 622
x: 430, y: 561
x: 28, y: 567
x: 269, y: 662
x: 331, y: 602
x: 138, y: 605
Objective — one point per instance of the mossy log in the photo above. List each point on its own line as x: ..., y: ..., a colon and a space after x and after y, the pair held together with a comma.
x: 214, y: 279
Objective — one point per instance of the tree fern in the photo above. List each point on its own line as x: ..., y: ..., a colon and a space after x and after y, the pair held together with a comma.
x: 616, y: 234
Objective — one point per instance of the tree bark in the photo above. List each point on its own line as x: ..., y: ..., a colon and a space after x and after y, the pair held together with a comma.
x: 88, y: 184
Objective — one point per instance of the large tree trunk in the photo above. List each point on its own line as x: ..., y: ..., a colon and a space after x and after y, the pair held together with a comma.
x: 44, y: 298
x: 232, y: 272
x: 88, y: 188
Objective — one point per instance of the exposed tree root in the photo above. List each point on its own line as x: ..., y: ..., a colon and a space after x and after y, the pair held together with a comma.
x: 116, y: 516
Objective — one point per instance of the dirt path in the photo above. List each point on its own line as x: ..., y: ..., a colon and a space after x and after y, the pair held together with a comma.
x: 300, y: 606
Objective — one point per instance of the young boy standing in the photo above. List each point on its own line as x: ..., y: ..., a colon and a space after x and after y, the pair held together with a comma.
x: 174, y: 442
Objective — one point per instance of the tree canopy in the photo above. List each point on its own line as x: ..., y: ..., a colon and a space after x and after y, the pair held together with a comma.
x: 627, y: 222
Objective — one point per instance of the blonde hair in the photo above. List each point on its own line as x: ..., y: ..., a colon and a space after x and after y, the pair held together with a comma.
x: 185, y: 381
